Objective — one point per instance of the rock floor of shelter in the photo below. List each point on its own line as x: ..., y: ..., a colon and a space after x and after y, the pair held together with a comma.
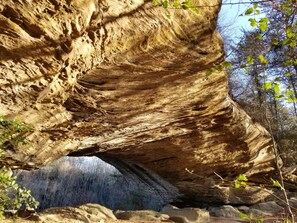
x: 270, y: 212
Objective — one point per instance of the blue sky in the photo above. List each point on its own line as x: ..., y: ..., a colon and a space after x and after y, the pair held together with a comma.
x: 230, y: 17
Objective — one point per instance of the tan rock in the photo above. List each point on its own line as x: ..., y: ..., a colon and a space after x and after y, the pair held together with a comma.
x: 226, y: 211
x: 118, y: 78
x: 84, y: 213
x: 186, y: 215
x: 141, y: 215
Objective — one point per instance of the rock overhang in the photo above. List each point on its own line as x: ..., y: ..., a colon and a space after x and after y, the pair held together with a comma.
x: 121, y: 79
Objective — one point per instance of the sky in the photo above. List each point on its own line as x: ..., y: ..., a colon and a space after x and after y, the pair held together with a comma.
x: 230, y: 17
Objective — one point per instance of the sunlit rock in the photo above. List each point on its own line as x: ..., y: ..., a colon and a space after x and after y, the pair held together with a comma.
x: 119, y: 79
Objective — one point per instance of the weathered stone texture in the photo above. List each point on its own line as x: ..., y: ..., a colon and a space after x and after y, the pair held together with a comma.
x: 118, y: 78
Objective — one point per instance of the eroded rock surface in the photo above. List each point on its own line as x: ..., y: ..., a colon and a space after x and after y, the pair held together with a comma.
x: 119, y: 79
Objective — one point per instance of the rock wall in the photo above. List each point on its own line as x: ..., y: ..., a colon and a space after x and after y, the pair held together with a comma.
x: 118, y: 78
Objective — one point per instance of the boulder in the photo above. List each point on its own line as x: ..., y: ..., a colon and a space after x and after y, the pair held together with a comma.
x: 225, y: 211
x: 87, y: 213
x: 185, y: 215
x: 138, y: 215
x: 293, y: 201
x: 269, y: 207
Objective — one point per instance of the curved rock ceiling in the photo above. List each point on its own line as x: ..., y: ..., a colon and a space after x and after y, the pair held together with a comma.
x: 118, y: 78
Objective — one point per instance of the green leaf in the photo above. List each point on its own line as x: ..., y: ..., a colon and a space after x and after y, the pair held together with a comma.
x: 258, y: 12
x: 263, y: 24
x: 237, y: 184
x: 219, y: 67
x: 291, y: 99
x: 155, y: 2
x: 250, y: 60
x: 185, y: 5
x: 276, y: 183
x: 287, y: 42
x: 293, y: 43
x: 276, y: 88
x: 277, y: 79
x: 176, y: 5
x: 165, y: 4
x: 265, y: 20
x: 289, y: 32
x: 168, y: 16
x: 279, y: 97
x: 268, y: 85
x: 262, y: 59
x: 287, y: 74
x: 253, y: 22
x: 190, y: 5
x: 243, y: 215
x: 259, y: 36
x: 255, y: 5
x: 240, y: 181
x: 288, y: 62
x: 249, y: 11
x: 227, y: 64
x: 274, y: 41
x: 208, y: 72
x: 193, y: 9
x: 241, y: 177
x: 289, y: 92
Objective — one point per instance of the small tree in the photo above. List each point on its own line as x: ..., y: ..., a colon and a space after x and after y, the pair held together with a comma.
x: 13, y: 197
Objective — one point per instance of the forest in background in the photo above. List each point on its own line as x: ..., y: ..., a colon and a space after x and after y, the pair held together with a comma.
x: 263, y: 77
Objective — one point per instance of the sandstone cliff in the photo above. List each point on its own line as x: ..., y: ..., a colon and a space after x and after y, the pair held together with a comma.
x: 117, y: 78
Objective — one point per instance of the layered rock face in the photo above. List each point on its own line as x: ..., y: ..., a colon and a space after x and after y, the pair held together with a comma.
x: 119, y: 79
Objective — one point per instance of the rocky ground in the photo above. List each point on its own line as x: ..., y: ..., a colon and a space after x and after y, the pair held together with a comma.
x: 270, y: 212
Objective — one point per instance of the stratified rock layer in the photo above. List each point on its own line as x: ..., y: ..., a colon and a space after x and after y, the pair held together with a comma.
x: 118, y: 78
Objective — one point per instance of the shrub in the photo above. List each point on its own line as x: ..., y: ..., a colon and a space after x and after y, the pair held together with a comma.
x: 12, y: 197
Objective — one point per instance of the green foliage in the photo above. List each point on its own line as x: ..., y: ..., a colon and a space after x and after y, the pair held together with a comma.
x: 227, y: 64
x: 190, y: 5
x: 289, y: 31
x: 274, y: 41
x: 209, y: 72
x: 218, y: 67
x: 253, y: 22
x: 276, y: 89
x: 250, y: 218
x: 155, y: 2
x: 13, y: 197
x: 272, y: 66
x: 168, y: 16
x: 262, y: 59
x: 14, y: 131
x: 185, y: 5
x: 250, y: 60
x: 263, y: 24
x: 240, y: 181
x: 165, y: 4
x: 276, y: 183
x: 249, y: 11
x: 268, y: 85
